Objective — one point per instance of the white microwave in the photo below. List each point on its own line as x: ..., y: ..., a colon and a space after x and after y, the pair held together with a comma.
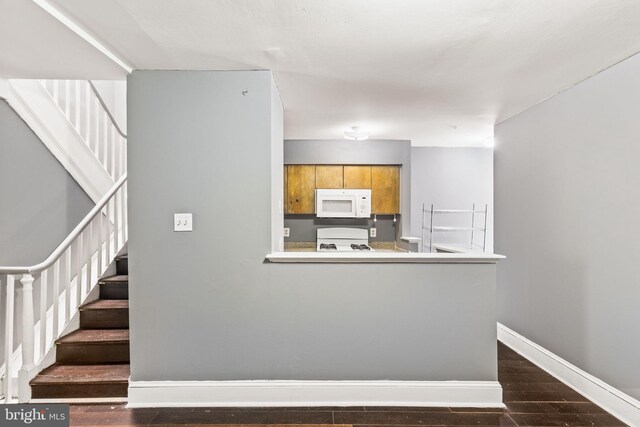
x: 343, y: 203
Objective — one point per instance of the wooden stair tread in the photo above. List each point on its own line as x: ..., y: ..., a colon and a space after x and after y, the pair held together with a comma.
x: 83, y: 374
x: 95, y: 336
x: 106, y: 304
x: 118, y: 278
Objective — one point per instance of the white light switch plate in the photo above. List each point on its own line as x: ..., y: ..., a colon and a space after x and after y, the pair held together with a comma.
x: 372, y: 232
x: 183, y: 222
x: 286, y: 232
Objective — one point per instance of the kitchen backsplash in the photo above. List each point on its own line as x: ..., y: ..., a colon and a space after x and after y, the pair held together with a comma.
x: 302, y: 228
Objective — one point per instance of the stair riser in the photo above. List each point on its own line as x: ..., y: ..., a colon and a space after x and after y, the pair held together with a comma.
x: 114, y: 291
x: 80, y: 354
x: 69, y: 391
x: 122, y: 266
x: 117, y: 318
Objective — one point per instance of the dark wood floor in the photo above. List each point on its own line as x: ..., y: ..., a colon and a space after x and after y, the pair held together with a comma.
x: 532, y: 397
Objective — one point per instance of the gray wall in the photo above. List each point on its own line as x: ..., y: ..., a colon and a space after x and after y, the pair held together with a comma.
x: 345, y: 152
x: 206, y: 306
x: 567, y: 211
x: 303, y: 228
x: 452, y: 178
x: 41, y: 203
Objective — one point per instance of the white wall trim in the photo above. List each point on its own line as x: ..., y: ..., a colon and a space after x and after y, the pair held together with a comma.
x: 30, y: 100
x: 93, y: 41
x: 620, y: 404
x: 479, y: 394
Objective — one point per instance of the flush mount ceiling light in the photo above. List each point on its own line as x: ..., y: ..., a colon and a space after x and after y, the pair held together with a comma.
x: 356, y: 134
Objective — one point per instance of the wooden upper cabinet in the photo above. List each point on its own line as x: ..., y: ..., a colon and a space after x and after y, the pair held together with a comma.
x: 301, y: 181
x: 329, y: 176
x: 357, y: 176
x: 301, y: 186
x: 385, y: 189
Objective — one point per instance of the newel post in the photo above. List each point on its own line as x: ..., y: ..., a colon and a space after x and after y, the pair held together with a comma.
x: 24, y: 375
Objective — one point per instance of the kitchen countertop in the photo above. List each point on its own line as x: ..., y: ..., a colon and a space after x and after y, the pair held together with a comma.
x: 384, y: 252
x: 299, y: 249
x: 379, y: 257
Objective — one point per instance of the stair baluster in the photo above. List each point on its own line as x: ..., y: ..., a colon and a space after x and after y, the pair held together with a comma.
x: 44, y: 287
x: 24, y: 375
x: 8, y: 337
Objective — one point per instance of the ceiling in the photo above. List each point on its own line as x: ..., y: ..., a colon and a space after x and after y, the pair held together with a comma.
x: 34, y: 45
x: 437, y: 72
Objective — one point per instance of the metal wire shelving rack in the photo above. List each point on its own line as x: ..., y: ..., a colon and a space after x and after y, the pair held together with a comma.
x: 430, y: 228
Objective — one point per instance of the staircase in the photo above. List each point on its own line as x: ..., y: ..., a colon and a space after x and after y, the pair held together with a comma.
x: 93, y: 361
x: 40, y: 303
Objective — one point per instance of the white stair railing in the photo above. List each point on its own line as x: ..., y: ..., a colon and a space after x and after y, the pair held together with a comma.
x: 85, y: 109
x: 63, y: 280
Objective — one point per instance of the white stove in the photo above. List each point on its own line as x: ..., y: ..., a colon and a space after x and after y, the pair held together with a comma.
x: 343, y: 240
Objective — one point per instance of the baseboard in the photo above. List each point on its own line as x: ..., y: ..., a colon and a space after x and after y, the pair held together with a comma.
x: 82, y: 400
x: 480, y: 394
x: 619, y: 404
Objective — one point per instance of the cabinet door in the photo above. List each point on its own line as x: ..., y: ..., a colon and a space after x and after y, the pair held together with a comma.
x: 301, y: 186
x: 357, y: 177
x: 329, y: 176
x: 385, y: 189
